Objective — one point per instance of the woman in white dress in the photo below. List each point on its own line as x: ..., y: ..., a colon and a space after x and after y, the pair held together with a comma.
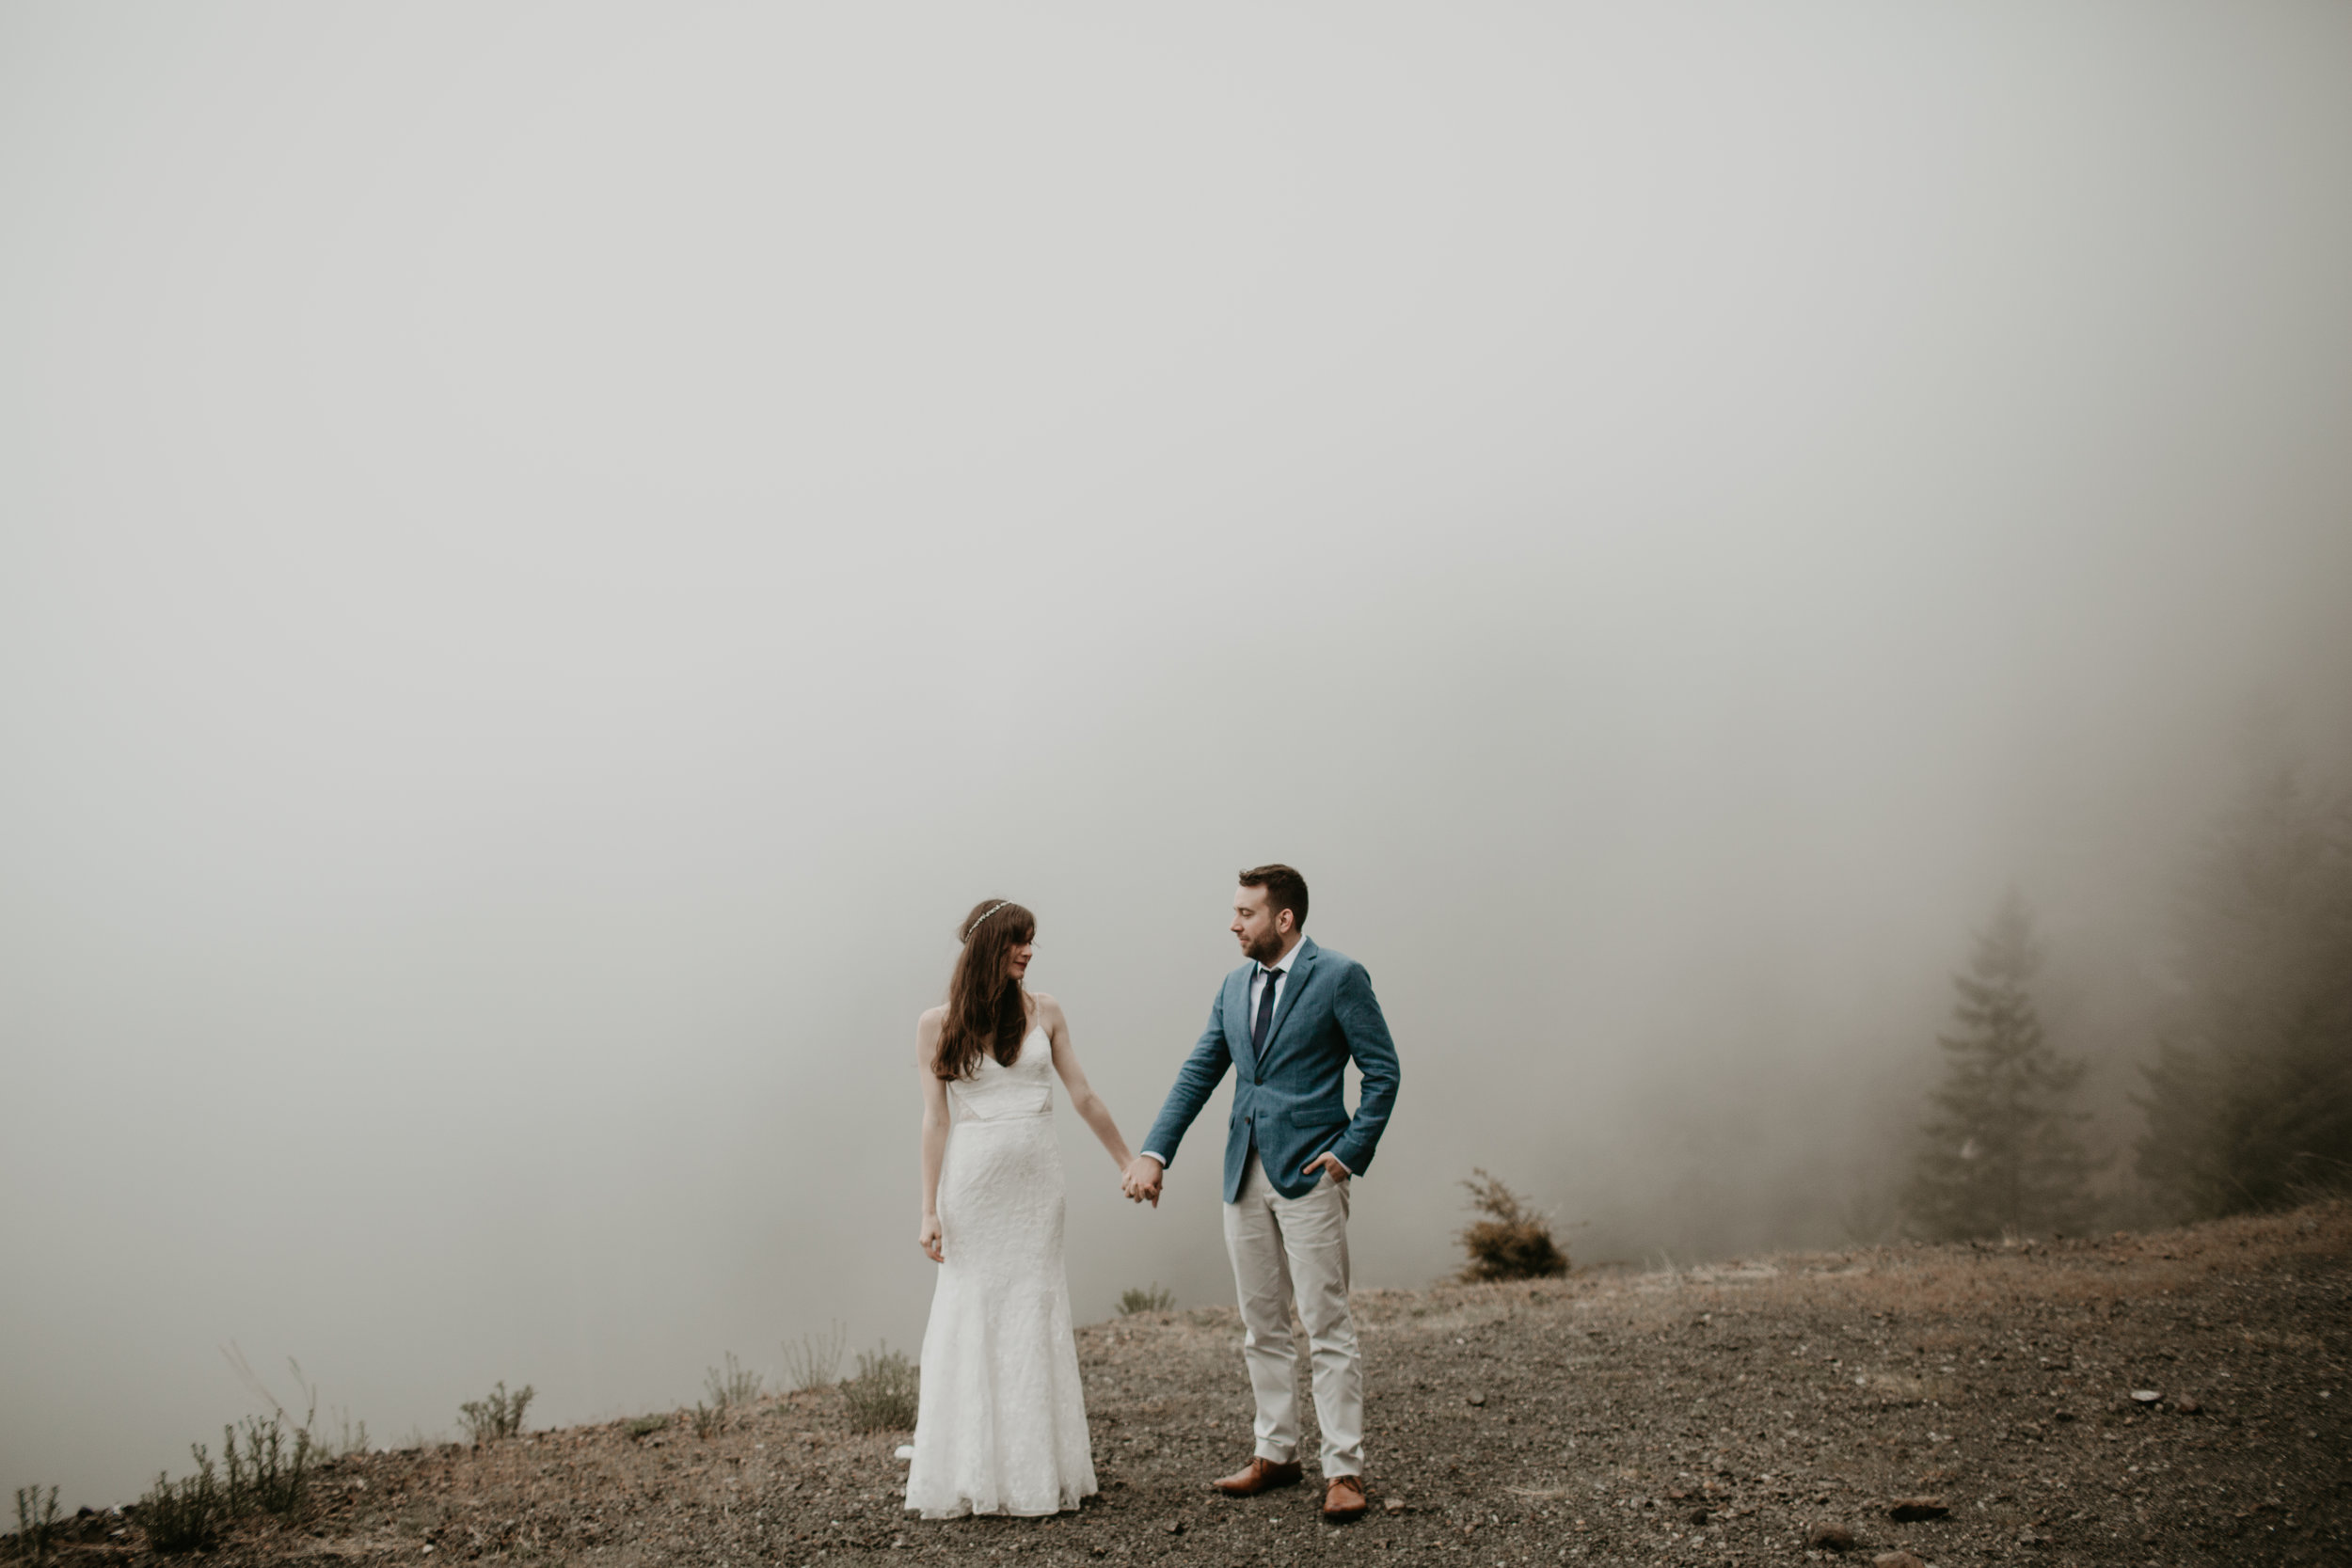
x: 1002, y: 1427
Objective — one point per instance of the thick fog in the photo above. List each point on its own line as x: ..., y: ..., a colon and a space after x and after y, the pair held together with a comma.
x: 548, y: 555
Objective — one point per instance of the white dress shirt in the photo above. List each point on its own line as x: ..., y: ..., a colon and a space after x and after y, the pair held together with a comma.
x: 1277, y: 973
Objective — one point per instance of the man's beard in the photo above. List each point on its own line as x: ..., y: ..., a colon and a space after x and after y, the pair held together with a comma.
x: 1266, y: 949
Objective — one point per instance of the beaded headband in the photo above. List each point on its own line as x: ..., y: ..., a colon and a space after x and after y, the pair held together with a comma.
x: 983, y: 920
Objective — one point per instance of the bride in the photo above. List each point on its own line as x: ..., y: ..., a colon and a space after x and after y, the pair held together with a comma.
x: 1001, y: 1424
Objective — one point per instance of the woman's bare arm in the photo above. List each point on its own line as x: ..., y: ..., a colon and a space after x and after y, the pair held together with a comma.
x: 1083, y: 1098
x: 926, y: 1034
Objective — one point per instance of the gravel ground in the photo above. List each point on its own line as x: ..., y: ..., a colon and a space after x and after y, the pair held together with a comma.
x: 1965, y: 1405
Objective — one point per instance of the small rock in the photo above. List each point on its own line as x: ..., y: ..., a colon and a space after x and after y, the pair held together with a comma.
x: 1909, y: 1510
x: 1474, y: 1399
x: 2187, y: 1407
x: 1698, y: 1515
x: 1895, y: 1560
x: 2145, y: 1396
x: 1830, y: 1536
x: 1394, y: 1505
x: 2061, y: 1414
x: 1175, y: 1527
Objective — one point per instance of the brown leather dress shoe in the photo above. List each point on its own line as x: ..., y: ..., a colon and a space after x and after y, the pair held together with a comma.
x: 1345, y: 1498
x: 1258, y: 1475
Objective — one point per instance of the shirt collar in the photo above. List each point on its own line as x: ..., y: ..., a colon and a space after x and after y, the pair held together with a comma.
x: 1282, y: 964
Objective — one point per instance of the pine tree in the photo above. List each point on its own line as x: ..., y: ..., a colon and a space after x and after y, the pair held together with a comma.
x: 2250, y: 1099
x: 2001, y: 1153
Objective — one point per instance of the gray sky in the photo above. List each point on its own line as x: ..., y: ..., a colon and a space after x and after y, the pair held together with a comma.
x: 547, y: 554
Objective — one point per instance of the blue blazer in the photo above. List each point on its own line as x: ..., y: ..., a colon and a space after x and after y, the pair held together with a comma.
x: 1288, y: 1098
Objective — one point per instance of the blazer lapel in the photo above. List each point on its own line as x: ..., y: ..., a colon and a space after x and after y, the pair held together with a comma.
x: 1237, y: 1025
x: 1300, y: 968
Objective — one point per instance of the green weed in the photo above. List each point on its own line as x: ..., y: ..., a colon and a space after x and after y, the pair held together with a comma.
x: 269, y: 1472
x: 1152, y: 1300
x: 498, y: 1415
x: 268, y: 1475
x: 185, y: 1517
x: 36, y: 1521
x: 883, y: 1396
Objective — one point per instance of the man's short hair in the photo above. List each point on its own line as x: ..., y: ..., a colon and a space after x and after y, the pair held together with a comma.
x: 1285, y: 889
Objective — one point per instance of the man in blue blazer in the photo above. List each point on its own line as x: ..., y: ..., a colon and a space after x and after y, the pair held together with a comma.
x: 1286, y: 1023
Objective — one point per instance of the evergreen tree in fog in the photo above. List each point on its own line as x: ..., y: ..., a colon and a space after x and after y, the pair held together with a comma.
x: 2001, y: 1153
x: 2249, y: 1099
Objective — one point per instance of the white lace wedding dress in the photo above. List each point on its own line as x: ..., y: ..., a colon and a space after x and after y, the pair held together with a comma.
x: 1002, y: 1427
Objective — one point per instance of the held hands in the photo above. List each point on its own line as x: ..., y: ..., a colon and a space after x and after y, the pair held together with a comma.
x: 1140, y: 1180
x: 928, y: 1240
x: 1329, y: 1165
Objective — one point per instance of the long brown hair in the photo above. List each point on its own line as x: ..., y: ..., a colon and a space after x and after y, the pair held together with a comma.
x: 986, y: 1008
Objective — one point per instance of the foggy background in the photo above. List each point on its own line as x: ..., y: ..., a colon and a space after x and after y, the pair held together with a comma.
x: 549, y: 554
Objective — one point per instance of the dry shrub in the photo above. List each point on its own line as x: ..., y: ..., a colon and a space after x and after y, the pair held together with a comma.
x: 36, y: 1522
x: 1512, y: 1241
x: 736, y: 1386
x: 1152, y: 1300
x: 185, y: 1515
x: 816, y: 1361
x: 498, y: 1415
x: 883, y: 1396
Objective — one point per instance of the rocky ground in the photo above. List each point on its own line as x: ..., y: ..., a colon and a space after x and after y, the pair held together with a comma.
x: 2172, y: 1398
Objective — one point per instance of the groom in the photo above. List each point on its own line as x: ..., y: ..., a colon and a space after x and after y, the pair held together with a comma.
x: 1287, y: 1021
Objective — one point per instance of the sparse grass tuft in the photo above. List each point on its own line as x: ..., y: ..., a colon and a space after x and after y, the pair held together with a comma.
x: 645, y: 1426
x: 737, y: 1384
x: 1152, y: 1300
x: 1512, y: 1242
x: 349, y: 1439
x: 500, y: 1414
x: 36, y: 1518
x: 269, y: 1464
x: 268, y: 1475
x: 186, y: 1516
x: 706, y: 1421
x: 883, y: 1396
x: 816, y: 1363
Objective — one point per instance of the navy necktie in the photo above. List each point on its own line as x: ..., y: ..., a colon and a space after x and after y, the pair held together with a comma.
x: 1266, y: 1010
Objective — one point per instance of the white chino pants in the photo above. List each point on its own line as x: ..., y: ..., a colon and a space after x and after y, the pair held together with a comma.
x: 1286, y: 1248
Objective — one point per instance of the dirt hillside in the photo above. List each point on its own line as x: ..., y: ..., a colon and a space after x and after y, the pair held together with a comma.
x: 2172, y: 1398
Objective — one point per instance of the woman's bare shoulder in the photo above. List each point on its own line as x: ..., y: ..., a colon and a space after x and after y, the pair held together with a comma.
x: 932, y: 1017
x: 1048, y: 1010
